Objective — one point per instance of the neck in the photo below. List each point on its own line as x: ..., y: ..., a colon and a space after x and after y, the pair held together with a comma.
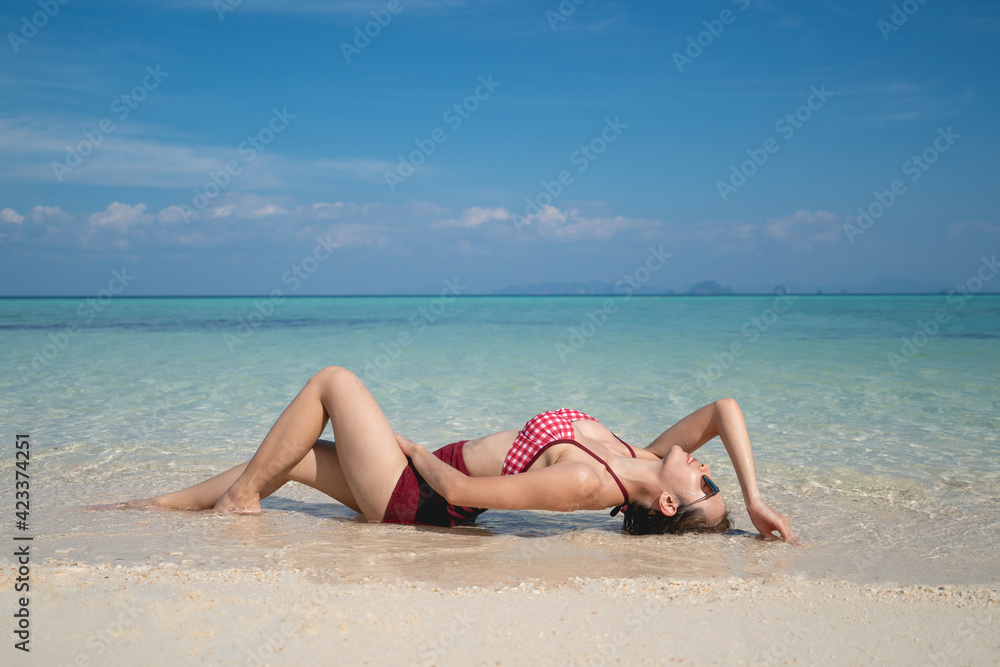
x: 640, y: 479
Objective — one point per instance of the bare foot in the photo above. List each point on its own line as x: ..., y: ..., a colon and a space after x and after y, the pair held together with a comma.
x: 229, y: 503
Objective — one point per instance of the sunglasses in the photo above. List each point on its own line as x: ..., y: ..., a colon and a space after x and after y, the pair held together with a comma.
x: 708, y: 484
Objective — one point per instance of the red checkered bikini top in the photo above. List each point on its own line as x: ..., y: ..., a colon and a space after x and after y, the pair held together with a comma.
x: 551, y: 428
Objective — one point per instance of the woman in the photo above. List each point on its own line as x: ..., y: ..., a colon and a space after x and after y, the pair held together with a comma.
x: 563, y: 461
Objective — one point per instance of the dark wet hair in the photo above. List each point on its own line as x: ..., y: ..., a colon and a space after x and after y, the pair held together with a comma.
x: 639, y: 521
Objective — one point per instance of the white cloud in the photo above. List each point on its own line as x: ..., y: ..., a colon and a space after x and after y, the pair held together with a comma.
x: 800, y: 230
x: 119, y: 217
x: 713, y: 232
x: 356, y: 234
x: 322, y: 210
x: 268, y: 210
x: 33, y: 146
x: 43, y: 214
x: 171, y: 215
x: 140, y: 156
x: 572, y: 225
x: 11, y: 216
x: 550, y: 215
x: 475, y: 217
x: 48, y: 225
x: 223, y: 211
x: 263, y: 215
x: 803, y: 229
x: 781, y: 228
x: 281, y: 221
x: 550, y: 222
x: 246, y: 215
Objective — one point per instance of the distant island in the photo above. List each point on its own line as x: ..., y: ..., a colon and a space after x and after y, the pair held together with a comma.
x: 598, y: 288
x: 709, y: 288
x: 713, y: 288
x: 593, y: 288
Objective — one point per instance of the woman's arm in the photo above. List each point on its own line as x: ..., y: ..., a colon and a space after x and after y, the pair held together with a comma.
x: 724, y: 419
x: 560, y: 488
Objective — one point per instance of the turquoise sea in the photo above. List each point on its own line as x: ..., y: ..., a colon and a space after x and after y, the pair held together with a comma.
x: 874, y: 421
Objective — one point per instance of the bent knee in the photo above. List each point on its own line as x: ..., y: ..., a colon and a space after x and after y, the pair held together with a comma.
x: 727, y: 404
x: 332, y: 375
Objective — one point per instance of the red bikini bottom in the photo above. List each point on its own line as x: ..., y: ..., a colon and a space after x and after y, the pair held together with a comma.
x: 414, y: 501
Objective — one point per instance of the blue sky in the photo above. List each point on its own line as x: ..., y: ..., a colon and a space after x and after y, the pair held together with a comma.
x: 210, y: 148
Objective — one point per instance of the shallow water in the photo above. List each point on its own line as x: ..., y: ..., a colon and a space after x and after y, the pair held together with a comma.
x: 889, y: 467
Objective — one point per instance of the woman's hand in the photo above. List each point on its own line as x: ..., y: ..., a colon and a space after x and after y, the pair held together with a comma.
x: 767, y: 521
x: 406, y: 445
x: 724, y: 419
x: 439, y: 475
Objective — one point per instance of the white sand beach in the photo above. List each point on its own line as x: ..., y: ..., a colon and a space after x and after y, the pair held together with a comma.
x: 166, y: 614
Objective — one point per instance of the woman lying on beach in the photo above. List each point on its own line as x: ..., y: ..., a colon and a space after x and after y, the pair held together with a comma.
x: 561, y: 461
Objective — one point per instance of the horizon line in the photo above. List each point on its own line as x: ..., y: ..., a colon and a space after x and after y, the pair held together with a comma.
x: 493, y: 295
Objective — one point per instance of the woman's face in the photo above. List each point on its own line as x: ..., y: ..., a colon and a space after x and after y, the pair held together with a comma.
x: 682, y: 479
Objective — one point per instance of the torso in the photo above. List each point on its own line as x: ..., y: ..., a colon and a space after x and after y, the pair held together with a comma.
x: 484, y: 457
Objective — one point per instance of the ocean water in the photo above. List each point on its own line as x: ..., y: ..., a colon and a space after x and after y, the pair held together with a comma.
x: 874, y: 421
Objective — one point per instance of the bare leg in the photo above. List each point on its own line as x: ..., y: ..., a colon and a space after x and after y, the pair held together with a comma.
x: 201, y: 496
x: 320, y: 468
x: 367, y: 452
